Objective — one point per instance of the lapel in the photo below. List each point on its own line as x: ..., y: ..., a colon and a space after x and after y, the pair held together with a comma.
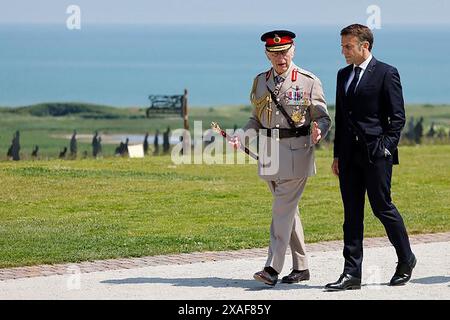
x: 367, y: 75
x: 344, y: 77
x: 288, y: 81
x: 271, y: 82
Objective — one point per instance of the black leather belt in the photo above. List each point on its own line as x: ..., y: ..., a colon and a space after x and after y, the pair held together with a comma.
x: 286, y: 132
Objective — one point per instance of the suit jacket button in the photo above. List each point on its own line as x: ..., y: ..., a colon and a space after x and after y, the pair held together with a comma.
x: 277, y: 126
x: 277, y: 113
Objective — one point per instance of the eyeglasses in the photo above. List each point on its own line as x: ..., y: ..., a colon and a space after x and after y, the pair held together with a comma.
x: 275, y: 54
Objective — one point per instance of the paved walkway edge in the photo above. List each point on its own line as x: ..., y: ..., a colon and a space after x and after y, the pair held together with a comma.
x: 188, y: 258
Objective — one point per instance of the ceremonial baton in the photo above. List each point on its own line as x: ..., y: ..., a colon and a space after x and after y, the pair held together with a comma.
x: 215, y: 126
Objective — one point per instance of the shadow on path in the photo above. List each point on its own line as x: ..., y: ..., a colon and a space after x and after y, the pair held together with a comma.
x: 214, y: 282
x: 432, y: 280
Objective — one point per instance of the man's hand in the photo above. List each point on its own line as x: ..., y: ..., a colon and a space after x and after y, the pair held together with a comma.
x: 335, y: 167
x: 316, y: 133
x: 235, y: 142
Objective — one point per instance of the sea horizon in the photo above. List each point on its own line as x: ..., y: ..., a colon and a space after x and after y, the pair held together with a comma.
x: 121, y: 64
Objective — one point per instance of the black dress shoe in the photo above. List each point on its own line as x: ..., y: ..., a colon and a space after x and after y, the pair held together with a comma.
x: 345, y: 282
x: 296, y: 276
x: 266, y: 277
x: 403, y: 272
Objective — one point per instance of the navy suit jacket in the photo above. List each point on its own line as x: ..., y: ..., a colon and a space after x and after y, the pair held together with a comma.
x: 377, y: 115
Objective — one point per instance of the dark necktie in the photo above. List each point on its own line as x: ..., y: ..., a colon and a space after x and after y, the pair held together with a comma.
x: 352, y: 87
x: 278, y: 83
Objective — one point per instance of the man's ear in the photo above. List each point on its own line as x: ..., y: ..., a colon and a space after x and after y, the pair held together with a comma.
x: 366, y: 45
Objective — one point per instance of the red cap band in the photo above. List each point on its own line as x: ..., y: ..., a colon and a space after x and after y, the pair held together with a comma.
x: 278, y: 41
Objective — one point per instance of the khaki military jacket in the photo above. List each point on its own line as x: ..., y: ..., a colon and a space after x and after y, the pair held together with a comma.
x: 301, y: 95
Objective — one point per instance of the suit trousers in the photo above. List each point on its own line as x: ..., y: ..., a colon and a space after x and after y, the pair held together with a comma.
x: 355, y: 178
x: 286, y: 227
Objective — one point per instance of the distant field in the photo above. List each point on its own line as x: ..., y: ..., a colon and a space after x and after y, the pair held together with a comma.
x: 68, y: 211
x: 44, y: 130
x: 47, y: 131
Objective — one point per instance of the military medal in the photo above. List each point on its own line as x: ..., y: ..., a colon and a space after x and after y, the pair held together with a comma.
x: 296, y: 116
x: 305, y: 101
x: 303, y: 119
x: 299, y: 116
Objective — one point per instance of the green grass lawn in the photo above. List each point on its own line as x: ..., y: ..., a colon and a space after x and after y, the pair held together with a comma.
x: 69, y: 211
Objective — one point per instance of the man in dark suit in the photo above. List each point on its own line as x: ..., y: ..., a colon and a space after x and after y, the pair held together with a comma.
x: 369, y: 117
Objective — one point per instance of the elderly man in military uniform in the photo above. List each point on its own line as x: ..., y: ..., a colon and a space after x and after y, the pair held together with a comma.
x: 289, y: 110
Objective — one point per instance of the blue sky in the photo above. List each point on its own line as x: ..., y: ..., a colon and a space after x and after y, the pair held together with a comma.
x: 255, y: 12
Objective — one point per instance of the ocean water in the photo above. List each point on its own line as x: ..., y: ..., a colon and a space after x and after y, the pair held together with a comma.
x: 122, y: 65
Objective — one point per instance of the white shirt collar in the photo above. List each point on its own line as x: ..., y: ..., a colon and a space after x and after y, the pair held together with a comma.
x: 364, y: 64
x: 284, y: 75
